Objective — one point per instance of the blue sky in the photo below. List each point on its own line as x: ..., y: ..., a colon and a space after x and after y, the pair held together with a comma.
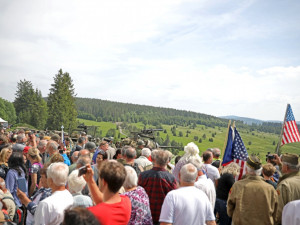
x: 215, y: 57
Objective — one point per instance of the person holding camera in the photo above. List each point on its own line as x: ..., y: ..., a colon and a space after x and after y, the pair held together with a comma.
x: 270, y: 158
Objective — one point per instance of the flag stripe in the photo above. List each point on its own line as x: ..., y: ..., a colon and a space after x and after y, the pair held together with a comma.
x: 290, y: 130
x: 296, y: 132
x: 242, y: 164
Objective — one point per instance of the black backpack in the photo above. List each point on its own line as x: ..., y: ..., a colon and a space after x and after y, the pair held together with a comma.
x: 19, y: 214
x: 136, y: 167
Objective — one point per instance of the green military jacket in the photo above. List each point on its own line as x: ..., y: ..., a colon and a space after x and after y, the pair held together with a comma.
x: 252, y: 201
x: 288, y: 189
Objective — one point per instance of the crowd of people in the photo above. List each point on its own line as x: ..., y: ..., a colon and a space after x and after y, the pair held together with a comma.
x: 47, y: 180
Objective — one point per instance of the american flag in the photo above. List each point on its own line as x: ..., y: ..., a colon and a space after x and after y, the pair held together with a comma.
x: 235, y: 152
x: 290, y: 129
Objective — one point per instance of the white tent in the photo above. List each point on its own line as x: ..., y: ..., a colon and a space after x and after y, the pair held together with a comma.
x: 2, y: 121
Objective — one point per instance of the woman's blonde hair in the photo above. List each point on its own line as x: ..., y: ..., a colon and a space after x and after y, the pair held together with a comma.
x: 3, y: 155
x: 232, y: 168
x: 34, y: 154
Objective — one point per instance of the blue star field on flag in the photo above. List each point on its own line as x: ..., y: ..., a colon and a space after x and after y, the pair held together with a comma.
x: 239, y: 150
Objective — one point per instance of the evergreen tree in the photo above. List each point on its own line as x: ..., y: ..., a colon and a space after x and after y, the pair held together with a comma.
x: 61, y: 102
x: 39, y: 111
x: 24, y: 101
x: 30, y: 107
x: 167, y: 141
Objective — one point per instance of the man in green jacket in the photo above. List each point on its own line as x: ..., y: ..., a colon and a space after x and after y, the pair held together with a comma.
x: 252, y: 200
x: 288, y: 187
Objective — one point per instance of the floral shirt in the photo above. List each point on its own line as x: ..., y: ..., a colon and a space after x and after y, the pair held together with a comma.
x: 140, y: 207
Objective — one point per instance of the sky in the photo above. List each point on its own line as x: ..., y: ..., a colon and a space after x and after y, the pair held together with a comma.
x: 218, y: 57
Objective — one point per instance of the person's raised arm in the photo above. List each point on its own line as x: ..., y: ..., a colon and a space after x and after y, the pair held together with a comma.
x: 211, y: 222
x: 96, y: 194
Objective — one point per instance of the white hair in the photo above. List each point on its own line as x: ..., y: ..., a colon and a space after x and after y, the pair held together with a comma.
x: 58, y: 172
x: 131, y: 178
x: 146, y: 152
x: 76, y: 183
x: 251, y: 171
x: 153, y: 154
x: 188, y: 173
x: 196, y: 162
x: 191, y: 151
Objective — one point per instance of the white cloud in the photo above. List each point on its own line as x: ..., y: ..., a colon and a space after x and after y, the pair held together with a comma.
x: 200, y: 55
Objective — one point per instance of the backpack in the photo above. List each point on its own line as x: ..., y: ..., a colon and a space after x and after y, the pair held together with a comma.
x: 19, y: 214
x: 136, y: 167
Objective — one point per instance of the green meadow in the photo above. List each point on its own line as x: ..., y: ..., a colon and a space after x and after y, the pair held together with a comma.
x: 255, y: 142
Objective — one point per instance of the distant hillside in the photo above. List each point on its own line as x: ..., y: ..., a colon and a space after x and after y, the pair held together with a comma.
x: 109, y: 111
x: 246, y: 120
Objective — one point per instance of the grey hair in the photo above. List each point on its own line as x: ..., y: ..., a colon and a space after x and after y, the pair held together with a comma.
x: 131, y: 178
x: 42, y: 143
x: 188, y: 173
x: 130, y: 153
x: 124, y: 150
x: 291, y: 166
x: 53, y: 145
x: 83, y: 160
x: 20, y: 137
x: 153, y: 154
x: 196, y: 162
x: 161, y: 158
x: 146, y: 152
x: 251, y: 171
x: 58, y: 172
x: 75, y: 183
x: 216, y: 152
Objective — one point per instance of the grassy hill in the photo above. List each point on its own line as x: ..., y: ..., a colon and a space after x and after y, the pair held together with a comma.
x: 255, y: 141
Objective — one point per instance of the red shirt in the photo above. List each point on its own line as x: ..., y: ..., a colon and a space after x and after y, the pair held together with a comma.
x: 117, y: 213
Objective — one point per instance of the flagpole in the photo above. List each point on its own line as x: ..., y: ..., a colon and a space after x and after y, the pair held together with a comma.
x: 225, y: 142
x: 280, y: 138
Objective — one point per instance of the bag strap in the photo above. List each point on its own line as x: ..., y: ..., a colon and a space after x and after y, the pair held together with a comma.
x: 10, y: 198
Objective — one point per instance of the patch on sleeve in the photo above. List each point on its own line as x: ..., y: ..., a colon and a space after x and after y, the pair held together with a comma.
x: 230, y: 190
x: 278, y: 192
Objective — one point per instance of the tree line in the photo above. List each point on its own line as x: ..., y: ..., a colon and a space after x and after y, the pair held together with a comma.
x: 59, y: 109
x: 62, y: 107
x: 109, y: 111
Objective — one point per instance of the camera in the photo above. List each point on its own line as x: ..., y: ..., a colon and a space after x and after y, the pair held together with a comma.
x: 82, y: 170
x: 270, y: 156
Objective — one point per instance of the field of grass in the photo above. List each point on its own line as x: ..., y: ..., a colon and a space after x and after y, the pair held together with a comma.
x: 255, y: 142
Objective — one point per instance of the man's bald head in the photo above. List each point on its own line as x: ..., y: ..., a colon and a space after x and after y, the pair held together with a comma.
x: 84, y: 152
x: 75, y: 156
x: 188, y: 173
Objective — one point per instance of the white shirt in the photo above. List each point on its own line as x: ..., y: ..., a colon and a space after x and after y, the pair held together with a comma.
x: 143, y: 161
x: 290, y: 213
x: 208, y: 187
x: 50, y: 211
x: 211, y: 172
x: 186, y: 205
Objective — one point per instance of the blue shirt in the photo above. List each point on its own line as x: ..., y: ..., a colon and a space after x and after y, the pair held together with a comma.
x: 66, y: 159
x: 12, y: 184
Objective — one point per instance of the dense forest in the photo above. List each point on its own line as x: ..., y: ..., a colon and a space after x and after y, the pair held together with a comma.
x: 108, y: 111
